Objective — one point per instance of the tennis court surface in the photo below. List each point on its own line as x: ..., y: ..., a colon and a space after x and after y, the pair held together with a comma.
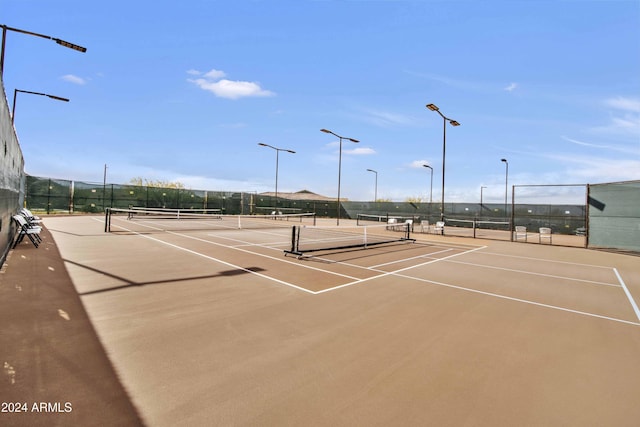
x: 210, y: 325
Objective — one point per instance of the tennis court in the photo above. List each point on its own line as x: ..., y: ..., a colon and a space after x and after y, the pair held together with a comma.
x: 212, y: 322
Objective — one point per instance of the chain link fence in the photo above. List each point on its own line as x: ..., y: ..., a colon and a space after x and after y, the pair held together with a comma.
x: 610, y: 212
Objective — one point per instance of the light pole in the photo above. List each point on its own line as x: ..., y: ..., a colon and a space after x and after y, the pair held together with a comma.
x: 15, y: 94
x: 375, y: 197
x: 431, y: 190
x: 278, y: 150
x: 339, y: 164
x: 445, y: 119
x: 481, y: 188
x: 59, y: 41
x: 506, y: 184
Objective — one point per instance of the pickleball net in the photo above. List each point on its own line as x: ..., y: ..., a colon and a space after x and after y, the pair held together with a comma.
x: 477, y: 228
x: 306, y: 239
x: 370, y: 219
x: 137, y: 219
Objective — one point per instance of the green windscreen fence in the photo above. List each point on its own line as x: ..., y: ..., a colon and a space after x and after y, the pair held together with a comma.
x: 597, y: 215
x: 614, y: 215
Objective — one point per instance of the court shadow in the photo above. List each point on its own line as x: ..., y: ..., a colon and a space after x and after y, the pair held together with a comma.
x: 128, y: 283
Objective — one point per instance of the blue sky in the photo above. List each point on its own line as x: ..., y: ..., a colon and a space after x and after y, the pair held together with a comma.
x: 185, y: 91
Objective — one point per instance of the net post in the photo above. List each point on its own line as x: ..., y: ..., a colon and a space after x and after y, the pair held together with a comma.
x: 295, y: 237
x: 294, y: 245
x: 365, y: 237
x: 107, y: 220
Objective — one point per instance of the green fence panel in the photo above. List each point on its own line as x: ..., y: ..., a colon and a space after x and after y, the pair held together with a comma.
x: 614, y: 215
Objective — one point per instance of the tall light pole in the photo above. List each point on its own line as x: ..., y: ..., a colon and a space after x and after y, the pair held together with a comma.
x: 59, y: 41
x: 445, y: 119
x: 481, y: 188
x: 506, y: 184
x: 339, y: 164
x: 375, y: 197
x: 278, y: 150
x: 15, y: 94
x: 431, y: 190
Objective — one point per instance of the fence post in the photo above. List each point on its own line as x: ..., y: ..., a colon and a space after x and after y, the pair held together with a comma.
x: 48, y: 195
x: 512, y: 219
x: 586, y: 216
x: 72, y: 193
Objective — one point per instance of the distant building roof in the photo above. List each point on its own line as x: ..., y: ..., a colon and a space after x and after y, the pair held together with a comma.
x: 299, y: 195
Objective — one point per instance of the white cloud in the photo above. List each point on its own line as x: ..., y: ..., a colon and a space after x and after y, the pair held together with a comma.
x: 511, y: 87
x: 385, y: 118
x: 597, y: 170
x: 215, y: 74
x: 621, y: 103
x: 592, y: 145
x: 360, y: 151
x: 416, y: 164
x: 627, y: 149
x: 73, y: 79
x: 213, y: 82
x: 626, y: 119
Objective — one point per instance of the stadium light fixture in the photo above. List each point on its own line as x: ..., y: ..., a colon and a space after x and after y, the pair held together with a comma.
x: 375, y: 194
x: 339, y: 164
x: 445, y: 119
x: 277, y: 150
x: 15, y: 95
x: 17, y: 30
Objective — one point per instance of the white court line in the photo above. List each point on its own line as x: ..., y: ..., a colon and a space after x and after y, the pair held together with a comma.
x: 491, y: 294
x: 374, y: 267
x: 536, y: 274
x: 291, y: 285
x: 546, y: 260
x: 584, y: 313
x: 429, y: 255
x: 276, y: 246
x: 626, y: 291
x: 237, y: 248
x: 259, y: 231
x: 388, y: 273
x: 397, y: 273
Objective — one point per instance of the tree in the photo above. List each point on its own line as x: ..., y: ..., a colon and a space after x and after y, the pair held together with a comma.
x: 414, y: 199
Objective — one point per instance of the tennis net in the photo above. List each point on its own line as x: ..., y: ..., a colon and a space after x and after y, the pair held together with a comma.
x: 305, y: 239
x: 183, y: 220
